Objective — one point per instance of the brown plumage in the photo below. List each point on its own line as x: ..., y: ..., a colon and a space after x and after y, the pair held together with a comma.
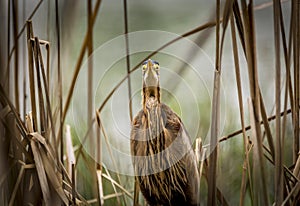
x: 163, y: 159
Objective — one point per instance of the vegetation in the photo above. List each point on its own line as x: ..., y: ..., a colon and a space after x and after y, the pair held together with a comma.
x: 44, y: 161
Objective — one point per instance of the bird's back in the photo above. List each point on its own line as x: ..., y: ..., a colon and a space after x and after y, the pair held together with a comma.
x: 163, y: 158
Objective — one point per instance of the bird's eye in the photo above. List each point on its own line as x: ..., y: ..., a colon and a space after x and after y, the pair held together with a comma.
x: 156, y: 66
x: 144, y: 67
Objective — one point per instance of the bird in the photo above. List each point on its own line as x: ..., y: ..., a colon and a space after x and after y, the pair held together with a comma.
x: 163, y: 160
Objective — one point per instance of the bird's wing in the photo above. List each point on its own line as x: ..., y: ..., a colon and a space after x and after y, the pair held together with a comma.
x: 137, y: 135
x: 173, y: 124
x: 182, y: 150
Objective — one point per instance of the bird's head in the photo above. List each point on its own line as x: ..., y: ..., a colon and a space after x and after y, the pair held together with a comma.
x: 150, y: 80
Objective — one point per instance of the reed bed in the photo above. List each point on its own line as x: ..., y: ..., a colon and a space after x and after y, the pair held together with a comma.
x: 41, y: 163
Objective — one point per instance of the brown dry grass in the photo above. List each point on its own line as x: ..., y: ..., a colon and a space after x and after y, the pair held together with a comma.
x: 33, y: 169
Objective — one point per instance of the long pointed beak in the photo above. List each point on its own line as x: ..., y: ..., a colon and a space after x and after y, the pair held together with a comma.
x: 150, y: 77
x: 149, y: 64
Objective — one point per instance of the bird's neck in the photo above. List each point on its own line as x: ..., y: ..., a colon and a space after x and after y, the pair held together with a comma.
x: 152, y: 111
x: 151, y: 95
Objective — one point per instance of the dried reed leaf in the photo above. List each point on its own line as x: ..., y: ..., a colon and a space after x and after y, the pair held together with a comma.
x: 41, y: 172
x: 48, y: 105
x: 41, y: 111
x: 53, y: 177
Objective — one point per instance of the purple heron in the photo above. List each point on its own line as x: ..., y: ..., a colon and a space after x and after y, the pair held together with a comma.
x: 162, y: 156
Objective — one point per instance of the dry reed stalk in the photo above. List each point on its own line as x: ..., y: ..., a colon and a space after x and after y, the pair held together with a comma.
x: 290, y: 195
x: 34, y: 47
x: 41, y: 104
x: 90, y: 99
x: 100, y: 196
x: 38, y: 162
x: 31, y: 74
x: 100, y: 187
x: 215, y: 116
x: 266, y: 125
x: 90, y: 73
x: 59, y: 85
x: 7, y: 81
x: 16, y: 66
x: 127, y: 56
x: 24, y: 68
x: 200, y: 154
x: 113, y: 182
x: 110, y: 153
x: 69, y: 150
x: 48, y: 66
x: 41, y: 172
x: 240, y: 100
x: 255, y: 156
x: 296, y: 172
x: 90, y: 61
x: 54, y: 178
x: 136, y: 186
x: 73, y: 185
x: 279, y: 147
x: 296, y: 41
x: 259, y: 180
x: 288, y: 84
x: 49, y: 118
